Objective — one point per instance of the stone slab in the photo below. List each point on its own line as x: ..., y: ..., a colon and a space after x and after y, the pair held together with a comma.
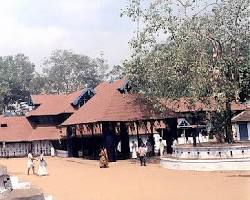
x: 26, y: 194
x: 3, y: 170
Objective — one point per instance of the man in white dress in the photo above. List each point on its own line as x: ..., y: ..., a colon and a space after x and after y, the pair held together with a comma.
x: 30, y: 163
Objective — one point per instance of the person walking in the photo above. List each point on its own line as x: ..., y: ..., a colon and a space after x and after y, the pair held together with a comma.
x: 42, y: 169
x: 30, y: 163
x: 142, y: 151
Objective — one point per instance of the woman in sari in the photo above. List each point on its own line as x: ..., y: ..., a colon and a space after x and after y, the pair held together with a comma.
x: 42, y: 169
x: 134, y: 150
x: 104, y: 163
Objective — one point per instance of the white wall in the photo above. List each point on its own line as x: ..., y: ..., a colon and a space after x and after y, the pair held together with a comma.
x: 41, y: 146
x: 206, y: 165
x: 237, y: 131
x: 14, y: 149
x: 19, y: 149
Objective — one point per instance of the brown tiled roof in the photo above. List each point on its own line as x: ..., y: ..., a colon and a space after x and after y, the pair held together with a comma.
x: 19, y: 129
x: 45, y: 133
x: 53, y: 104
x: 183, y: 105
x: 243, y: 116
x: 108, y: 104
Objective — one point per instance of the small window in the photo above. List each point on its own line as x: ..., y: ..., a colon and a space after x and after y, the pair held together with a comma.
x: 3, y: 125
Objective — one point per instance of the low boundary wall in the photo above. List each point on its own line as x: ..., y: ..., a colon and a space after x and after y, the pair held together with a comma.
x: 206, y: 165
x: 209, y: 158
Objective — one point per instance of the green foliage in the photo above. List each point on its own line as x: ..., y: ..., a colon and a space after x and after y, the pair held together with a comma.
x: 190, y: 48
x: 16, y: 73
x: 195, y: 49
x: 66, y: 71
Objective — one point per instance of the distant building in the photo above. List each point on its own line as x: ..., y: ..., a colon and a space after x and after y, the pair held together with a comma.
x: 38, y: 130
x: 242, y: 125
x: 195, y: 114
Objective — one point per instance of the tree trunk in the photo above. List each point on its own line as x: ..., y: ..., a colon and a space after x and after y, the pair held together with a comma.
x: 228, y: 127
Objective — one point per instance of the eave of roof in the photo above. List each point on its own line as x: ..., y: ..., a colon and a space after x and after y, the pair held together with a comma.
x: 183, y: 105
x: 242, y: 117
x: 44, y: 133
x: 20, y: 130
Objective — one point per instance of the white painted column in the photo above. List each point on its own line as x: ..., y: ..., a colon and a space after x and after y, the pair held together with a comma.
x: 248, y: 130
x: 238, y: 131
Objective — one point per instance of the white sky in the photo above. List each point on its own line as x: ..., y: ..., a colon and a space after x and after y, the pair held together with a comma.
x: 36, y: 27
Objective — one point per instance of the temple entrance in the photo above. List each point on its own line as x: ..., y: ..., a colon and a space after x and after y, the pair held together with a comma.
x: 243, y: 131
x: 124, y: 142
x: 110, y: 140
x: 170, y: 134
x: 73, y: 143
x: 90, y: 146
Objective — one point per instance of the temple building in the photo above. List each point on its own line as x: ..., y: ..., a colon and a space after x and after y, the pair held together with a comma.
x: 111, y: 117
x: 193, y: 116
x: 80, y: 123
x: 38, y: 130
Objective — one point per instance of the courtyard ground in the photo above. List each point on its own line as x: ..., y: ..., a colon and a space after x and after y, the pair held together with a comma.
x: 77, y: 179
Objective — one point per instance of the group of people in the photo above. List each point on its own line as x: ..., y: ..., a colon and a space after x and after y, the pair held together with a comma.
x: 145, y: 150
x: 141, y: 152
x: 42, y: 168
x: 150, y: 148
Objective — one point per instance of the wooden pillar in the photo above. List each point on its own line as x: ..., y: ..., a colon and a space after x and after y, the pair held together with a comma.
x: 152, y: 137
x: 152, y: 127
x: 92, y: 141
x: 137, y: 133
x: 82, y: 140
x: 125, y: 150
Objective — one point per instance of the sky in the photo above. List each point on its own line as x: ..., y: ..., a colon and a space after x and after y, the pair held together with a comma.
x: 89, y: 27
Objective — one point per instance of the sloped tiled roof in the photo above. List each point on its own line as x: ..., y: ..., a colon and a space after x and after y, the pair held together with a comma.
x: 109, y: 104
x: 183, y: 105
x: 53, y: 104
x: 243, y: 116
x: 44, y: 133
x: 19, y: 130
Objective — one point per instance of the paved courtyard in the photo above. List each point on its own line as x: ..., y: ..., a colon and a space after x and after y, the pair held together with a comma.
x: 77, y: 179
